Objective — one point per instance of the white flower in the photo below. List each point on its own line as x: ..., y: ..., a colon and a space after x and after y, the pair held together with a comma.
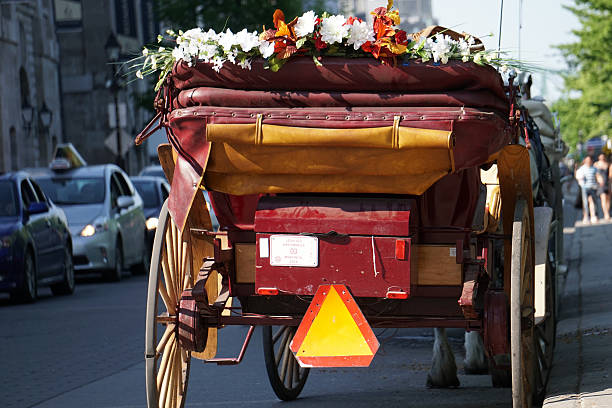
x: 161, y: 49
x: 305, y: 24
x: 139, y: 74
x: 207, y: 52
x: 333, y: 29
x: 247, y: 41
x: 227, y: 40
x: 440, y: 47
x: 159, y: 38
x: 145, y: 51
x: 359, y: 34
x: 231, y: 56
x: 266, y: 48
x: 193, y: 33
x: 153, y: 62
x: 217, y: 63
x: 245, y: 64
x: 178, y: 54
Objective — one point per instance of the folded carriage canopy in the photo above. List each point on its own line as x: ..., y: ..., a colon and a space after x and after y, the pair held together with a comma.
x: 350, y: 126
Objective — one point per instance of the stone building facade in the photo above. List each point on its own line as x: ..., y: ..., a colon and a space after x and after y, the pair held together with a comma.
x: 83, y: 28
x: 415, y: 14
x: 30, y: 98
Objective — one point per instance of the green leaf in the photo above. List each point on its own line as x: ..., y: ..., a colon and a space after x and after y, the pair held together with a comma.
x: 316, y: 61
x: 300, y: 42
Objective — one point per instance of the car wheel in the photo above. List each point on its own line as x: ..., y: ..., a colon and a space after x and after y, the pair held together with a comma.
x: 66, y: 287
x: 115, y: 274
x: 29, y: 287
x: 143, y: 267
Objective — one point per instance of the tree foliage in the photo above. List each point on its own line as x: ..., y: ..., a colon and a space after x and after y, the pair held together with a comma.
x: 585, y: 107
x: 233, y: 14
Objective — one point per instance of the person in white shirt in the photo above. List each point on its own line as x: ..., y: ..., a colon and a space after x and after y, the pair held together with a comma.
x: 586, y: 176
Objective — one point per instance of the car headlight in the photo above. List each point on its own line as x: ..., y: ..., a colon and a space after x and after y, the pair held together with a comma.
x: 99, y: 224
x: 151, y: 223
x: 88, y: 231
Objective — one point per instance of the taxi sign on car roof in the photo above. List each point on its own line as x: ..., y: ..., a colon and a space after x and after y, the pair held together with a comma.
x: 334, y: 332
x: 66, y: 157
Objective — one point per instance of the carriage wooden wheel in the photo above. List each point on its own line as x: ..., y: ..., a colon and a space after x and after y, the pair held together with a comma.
x: 167, y: 362
x: 286, y: 376
x: 531, y: 341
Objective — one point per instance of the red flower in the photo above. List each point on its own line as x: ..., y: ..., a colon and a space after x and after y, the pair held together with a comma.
x: 401, y: 37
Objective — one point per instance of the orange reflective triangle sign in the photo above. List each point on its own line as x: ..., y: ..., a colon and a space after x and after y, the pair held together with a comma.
x: 334, y: 332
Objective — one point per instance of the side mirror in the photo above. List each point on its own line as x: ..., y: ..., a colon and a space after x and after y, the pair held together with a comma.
x: 38, y: 208
x: 125, y: 202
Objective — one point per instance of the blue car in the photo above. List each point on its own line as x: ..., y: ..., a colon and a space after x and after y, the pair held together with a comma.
x: 35, y: 242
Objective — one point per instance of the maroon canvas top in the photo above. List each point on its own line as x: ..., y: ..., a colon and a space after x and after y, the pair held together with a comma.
x: 345, y: 75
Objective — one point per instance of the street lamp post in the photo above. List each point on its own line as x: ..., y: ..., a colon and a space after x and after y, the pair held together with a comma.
x: 45, y: 116
x: 113, y: 50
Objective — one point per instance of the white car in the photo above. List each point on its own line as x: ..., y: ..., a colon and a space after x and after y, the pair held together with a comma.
x: 105, y: 217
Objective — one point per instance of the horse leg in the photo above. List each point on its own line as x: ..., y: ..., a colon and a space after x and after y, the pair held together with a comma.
x: 475, y: 359
x: 443, y: 371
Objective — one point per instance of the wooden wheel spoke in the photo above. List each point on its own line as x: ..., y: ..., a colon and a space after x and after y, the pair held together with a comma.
x: 170, y: 304
x: 163, y: 367
x: 284, y: 365
x: 296, y: 369
x: 165, y: 337
x: 184, y: 267
x: 280, y: 331
x: 281, y: 348
x: 169, y: 262
x: 168, y: 274
x: 164, y: 376
x: 290, y: 371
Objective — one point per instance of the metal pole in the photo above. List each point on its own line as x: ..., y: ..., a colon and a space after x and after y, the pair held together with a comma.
x: 117, y: 125
x: 520, y: 27
x: 501, y: 15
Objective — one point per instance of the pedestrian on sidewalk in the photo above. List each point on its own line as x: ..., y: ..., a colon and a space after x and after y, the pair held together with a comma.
x: 603, y: 179
x: 586, y: 176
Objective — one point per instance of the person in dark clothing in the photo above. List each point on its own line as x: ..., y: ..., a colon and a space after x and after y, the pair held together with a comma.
x: 603, y: 180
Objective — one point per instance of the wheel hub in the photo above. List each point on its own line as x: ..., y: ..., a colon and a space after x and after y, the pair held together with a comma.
x: 192, y: 330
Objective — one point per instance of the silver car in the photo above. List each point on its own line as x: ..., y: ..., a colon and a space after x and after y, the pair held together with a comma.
x: 105, y: 217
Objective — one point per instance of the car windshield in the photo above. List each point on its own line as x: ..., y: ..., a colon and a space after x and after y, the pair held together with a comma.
x: 8, y: 202
x: 148, y: 192
x: 73, y: 191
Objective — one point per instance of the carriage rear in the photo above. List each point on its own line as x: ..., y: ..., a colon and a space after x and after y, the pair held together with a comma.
x: 350, y: 196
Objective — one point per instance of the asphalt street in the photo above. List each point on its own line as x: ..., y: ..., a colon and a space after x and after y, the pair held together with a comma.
x: 87, y: 350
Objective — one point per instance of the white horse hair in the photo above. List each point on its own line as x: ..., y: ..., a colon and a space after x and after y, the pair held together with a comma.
x: 443, y: 371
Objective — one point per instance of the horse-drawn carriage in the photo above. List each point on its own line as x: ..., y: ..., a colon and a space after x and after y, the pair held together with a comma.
x: 350, y: 196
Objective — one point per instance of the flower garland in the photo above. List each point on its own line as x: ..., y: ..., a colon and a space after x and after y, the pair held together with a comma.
x: 311, y: 35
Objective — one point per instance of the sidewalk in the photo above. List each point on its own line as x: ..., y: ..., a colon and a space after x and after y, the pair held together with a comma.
x: 582, y: 366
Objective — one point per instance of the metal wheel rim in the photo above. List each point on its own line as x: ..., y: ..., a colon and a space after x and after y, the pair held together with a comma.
x: 286, y: 376
x: 167, y: 363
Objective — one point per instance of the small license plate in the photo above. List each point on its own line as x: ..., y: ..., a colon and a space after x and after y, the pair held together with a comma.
x: 294, y: 250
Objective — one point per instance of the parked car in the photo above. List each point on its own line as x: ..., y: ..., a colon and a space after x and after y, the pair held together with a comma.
x: 105, y: 216
x: 153, y: 191
x: 35, y: 242
x: 153, y: 171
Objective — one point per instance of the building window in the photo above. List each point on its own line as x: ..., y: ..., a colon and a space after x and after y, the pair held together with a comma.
x: 24, y: 87
x: 125, y: 17
x: 149, y: 29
